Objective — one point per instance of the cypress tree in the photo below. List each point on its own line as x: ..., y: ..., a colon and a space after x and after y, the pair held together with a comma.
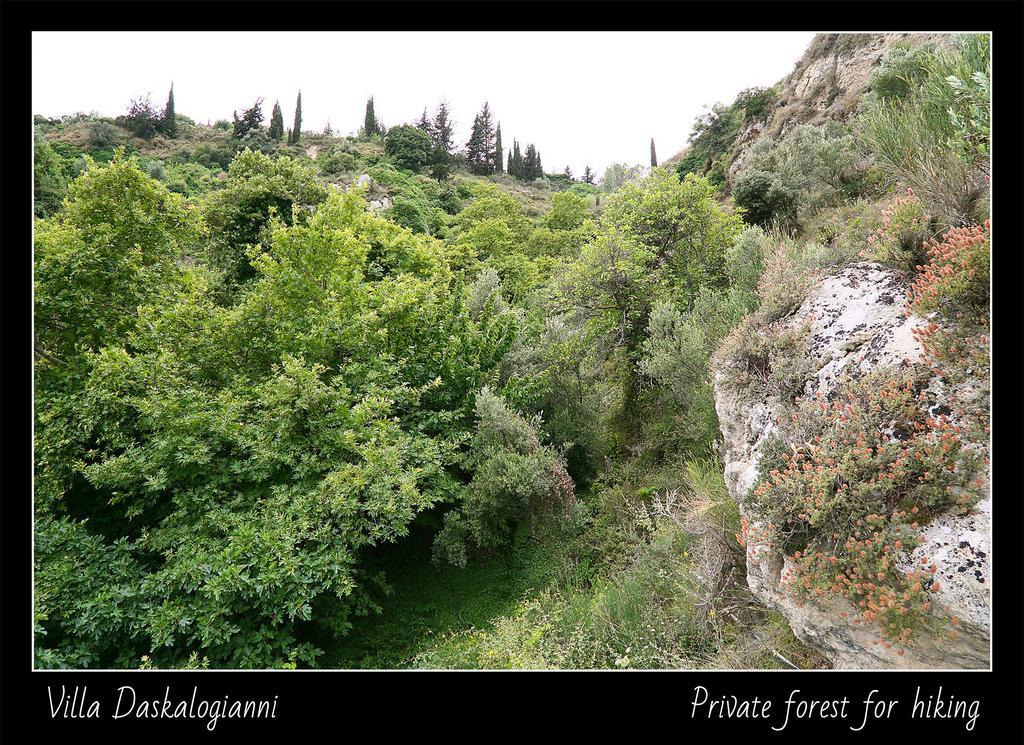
x: 588, y: 175
x: 370, y: 125
x: 276, y: 123
x: 654, y: 157
x: 296, y: 131
x: 515, y: 162
x: 568, y: 173
x: 169, y: 122
x: 499, y: 166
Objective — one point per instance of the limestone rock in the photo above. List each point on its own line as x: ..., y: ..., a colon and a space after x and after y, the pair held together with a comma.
x: 858, y: 322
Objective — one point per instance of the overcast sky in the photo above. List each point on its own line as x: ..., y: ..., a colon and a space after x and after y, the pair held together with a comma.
x: 584, y: 98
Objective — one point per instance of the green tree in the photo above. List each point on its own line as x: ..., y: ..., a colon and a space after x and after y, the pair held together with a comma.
x: 256, y: 452
x: 49, y: 182
x: 251, y: 120
x: 654, y: 155
x: 588, y: 175
x: 515, y: 162
x: 681, y: 221
x: 441, y: 133
x: 514, y: 475
x: 408, y: 146
x: 169, y: 121
x: 276, y: 123
x: 371, y: 127
x: 257, y: 188
x: 142, y: 118
x: 499, y: 165
x: 295, y: 133
x: 115, y: 244
x: 480, y: 150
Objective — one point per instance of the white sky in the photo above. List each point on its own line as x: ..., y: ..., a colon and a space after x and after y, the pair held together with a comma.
x: 582, y: 97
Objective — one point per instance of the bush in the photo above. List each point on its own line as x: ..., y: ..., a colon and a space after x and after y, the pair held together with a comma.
x: 756, y: 103
x: 766, y: 199
x: 142, y: 119
x: 408, y: 146
x: 901, y: 241
x: 336, y: 160
x: 156, y: 169
x: 847, y: 505
x: 934, y: 137
x: 514, y: 475
x: 409, y: 213
x: 956, y: 277
x: 103, y: 134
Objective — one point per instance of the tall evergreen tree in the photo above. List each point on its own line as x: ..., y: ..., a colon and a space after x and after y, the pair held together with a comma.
x: 276, y: 123
x: 481, y: 146
x: 568, y: 173
x: 499, y: 166
x: 531, y: 164
x: 654, y: 156
x: 588, y: 175
x: 424, y: 123
x: 169, y: 122
x: 515, y: 162
x: 295, y: 133
x: 371, y: 127
x: 441, y: 135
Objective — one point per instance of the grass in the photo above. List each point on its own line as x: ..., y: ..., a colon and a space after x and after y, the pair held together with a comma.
x: 429, y: 601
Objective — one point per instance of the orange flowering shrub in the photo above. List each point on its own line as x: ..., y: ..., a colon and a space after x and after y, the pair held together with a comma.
x: 902, y: 239
x: 849, y: 503
x: 957, y: 273
x: 955, y: 282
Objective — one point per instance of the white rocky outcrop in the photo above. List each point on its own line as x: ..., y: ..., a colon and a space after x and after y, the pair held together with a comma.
x: 858, y: 322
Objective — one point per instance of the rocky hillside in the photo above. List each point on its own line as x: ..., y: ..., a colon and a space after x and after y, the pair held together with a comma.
x: 852, y: 324
x: 826, y: 85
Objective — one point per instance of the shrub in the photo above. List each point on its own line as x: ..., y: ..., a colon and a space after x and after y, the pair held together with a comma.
x: 847, y: 504
x: 901, y: 241
x: 408, y: 146
x: 409, y: 213
x: 156, y: 169
x: 765, y: 198
x: 811, y: 168
x: 774, y: 359
x: 143, y: 119
x: 935, y: 139
x: 103, y: 134
x: 955, y: 282
x: 336, y: 160
x: 784, y: 283
x: 756, y: 103
x: 957, y: 274
x: 514, y: 475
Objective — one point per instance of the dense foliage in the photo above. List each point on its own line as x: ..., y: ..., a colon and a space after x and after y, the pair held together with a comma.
x: 278, y: 385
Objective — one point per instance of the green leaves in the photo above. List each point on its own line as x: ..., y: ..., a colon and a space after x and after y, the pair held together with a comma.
x: 248, y: 453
